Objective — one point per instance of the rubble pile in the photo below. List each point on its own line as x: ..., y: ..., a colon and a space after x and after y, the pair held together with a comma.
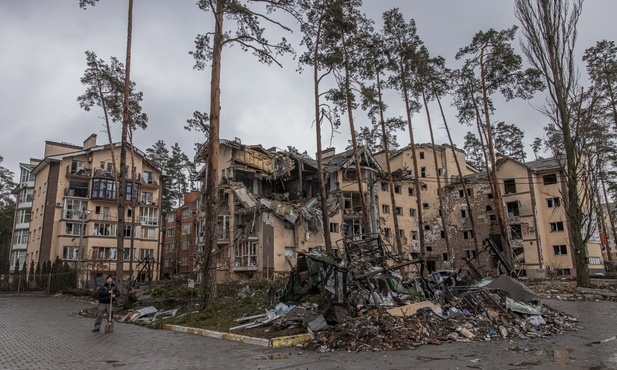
x: 369, y: 303
x: 387, y: 332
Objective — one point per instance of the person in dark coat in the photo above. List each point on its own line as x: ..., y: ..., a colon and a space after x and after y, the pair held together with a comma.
x: 106, y: 292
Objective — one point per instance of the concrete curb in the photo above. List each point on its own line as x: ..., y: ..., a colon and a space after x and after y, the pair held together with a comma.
x: 280, y: 342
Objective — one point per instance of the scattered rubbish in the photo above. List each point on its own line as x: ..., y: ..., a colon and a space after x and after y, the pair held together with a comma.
x: 411, y: 309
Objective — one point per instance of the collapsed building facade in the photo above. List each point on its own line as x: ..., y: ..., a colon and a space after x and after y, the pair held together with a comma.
x: 269, y: 210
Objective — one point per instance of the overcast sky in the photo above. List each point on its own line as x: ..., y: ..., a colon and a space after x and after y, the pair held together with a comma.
x: 42, y: 45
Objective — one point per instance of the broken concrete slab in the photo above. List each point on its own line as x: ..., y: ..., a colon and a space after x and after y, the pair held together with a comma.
x: 514, y: 288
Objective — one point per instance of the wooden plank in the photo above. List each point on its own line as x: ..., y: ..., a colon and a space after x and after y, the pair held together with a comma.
x: 410, y: 309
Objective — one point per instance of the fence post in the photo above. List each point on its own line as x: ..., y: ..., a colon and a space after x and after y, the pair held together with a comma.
x: 48, y: 284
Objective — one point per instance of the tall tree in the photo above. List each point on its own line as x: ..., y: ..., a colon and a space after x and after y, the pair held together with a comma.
x: 347, y: 28
x: 159, y: 154
x: 249, y: 35
x: 549, y: 38
x: 126, y: 122
x: 317, y: 56
x: 602, y: 69
x: 492, y: 66
x: 508, y: 141
x: 374, y: 67
x: 7, y: 214
x: 402, y: 46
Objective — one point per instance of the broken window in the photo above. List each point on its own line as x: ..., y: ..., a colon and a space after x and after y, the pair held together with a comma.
x: 445, y: 256
x: 553, y: 202
x: 421, y: 155
x: 489, y: 208
x: 414, y: 235
x: 556, y: 226
x: 550, y: 179
x: 512, y: 209
x: 423, y: 187
x: 387, y: 232
x: 385, y: 208
x: 470, y: 254
x: 412, y: 192
x: 384, y: 186
x: 489, y: 195
x: 412, y: 212
x: 427, y: 227
x: 429, y: 248
x: 560, y: 250
x: 399, y: 211
x: 423, y: 172
x: 401, y: 233
x: 425, y: 205
x: 468, y: 234
x: 510, y: 186
x: 463, y: 213
x: 441, y: 171
x: 516, y: 232
x: 443, y: 234
x: 334, y: 227
x: 398, y: 189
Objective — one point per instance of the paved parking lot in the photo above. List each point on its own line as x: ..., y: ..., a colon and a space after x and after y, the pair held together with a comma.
x: 45, y: 333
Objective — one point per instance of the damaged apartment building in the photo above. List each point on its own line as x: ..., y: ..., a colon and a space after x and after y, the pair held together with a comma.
x: 269, y: 209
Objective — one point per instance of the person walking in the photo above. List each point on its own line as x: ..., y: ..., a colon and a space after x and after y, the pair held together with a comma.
x: 106, y: 292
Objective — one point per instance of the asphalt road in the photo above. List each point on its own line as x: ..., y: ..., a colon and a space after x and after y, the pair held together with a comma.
x: 45, y: 333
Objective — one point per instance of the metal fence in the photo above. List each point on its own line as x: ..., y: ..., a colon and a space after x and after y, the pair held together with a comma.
x: 41, y: 283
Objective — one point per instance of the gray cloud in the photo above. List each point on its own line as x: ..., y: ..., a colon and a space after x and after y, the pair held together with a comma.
x: 42, y: 45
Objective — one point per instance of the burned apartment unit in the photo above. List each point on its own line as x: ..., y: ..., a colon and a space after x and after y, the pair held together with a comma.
x: 180, y: 239
x: 68, y: 202
x: 535, y: 217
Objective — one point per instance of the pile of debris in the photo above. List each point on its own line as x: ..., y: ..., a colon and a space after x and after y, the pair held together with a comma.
x: 369, y: 305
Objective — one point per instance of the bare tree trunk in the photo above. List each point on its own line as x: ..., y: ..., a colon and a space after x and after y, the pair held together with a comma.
x: 384, y: 139
x: 354, y: 143
x: 323, y: 194
x: 416, y: 174
x: 549, y: 30
x: 211, y: 196
x: 125, y: 127
x: 611, y: 219
x: 442, y: 210
x: 462, y: 177
x: 499, y: 211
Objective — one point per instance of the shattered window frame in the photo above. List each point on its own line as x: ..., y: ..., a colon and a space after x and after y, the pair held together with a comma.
x: 509, y: 186
x: 557, y: 226
x: 553, y: 202
x: 387, y: 232
x: 334, y: 227
x: 467, y: 234
x: 412, y: 212
x: 385, y: 208
x: 550, y: 179
x: 398, y: 189
x: 560, y: 250
x: 398, y: 211
x: 513, y: 209
x: 425, y: 206
x: 422, y: 171
x: 384, y: 186
x: 516, y: 231
x: 412, y: 191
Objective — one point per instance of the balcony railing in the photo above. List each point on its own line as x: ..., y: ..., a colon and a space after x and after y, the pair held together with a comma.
x: 150, y: 221
x: 76, y: 192
x: 82, y: 172
x: 246, y: 263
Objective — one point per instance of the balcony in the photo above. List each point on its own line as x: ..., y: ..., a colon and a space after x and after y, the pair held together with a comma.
x: 78, y: 192
x: 82, y: 173
x: 152, y: 202
x: 150, y: 183
x: 149, y: 221
x: 99, y: 172
x: 245, y: 263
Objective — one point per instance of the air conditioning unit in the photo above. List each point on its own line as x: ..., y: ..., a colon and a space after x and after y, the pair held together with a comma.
x: 24, y: 184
